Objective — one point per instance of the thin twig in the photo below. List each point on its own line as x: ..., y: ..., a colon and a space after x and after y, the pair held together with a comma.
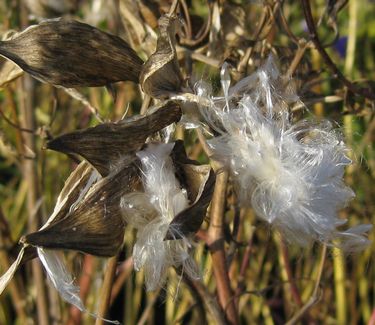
x: 173, y: 8
x: 147, y: 311
x: 366, y: 92
x: 85, y: 281
x: 125, y: 271
x: 209, y: 301
x: 105, y: 294
x: 302, y: 46
x: 315, y: 297
x: 245, y: 263
x: 14, y: 124
x: 30, y: 174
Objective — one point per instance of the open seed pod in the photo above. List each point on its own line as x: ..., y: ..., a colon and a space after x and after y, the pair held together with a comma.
x: 161, y: 73
x: 71, y: 54
x: 90, y: 219
x: 168, y: 211
x: 68, y: 196
x: 195, y: 180
x: 105, y: 145
x: 199, y: 182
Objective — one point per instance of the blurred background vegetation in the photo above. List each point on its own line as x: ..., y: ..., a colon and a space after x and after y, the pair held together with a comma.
x: 271, y: 281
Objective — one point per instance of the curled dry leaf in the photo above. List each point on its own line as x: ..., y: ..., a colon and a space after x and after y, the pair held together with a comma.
x: 71, y: 54
x: 161, y: 73
x: 199, y: 182
x: 105, y: 145
x: 87, y: 216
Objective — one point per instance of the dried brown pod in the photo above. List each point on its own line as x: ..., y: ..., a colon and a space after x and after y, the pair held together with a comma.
x: 69, y: 194
x: 68, y: 53
x: 199, y: 182
x: 92, y: 223
x: 161, y: 73
x: 105, y: 145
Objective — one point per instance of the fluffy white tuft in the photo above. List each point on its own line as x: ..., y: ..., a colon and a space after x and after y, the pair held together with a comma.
x: 151, y: 212
x: 60, y: 278
x: 291, y: 174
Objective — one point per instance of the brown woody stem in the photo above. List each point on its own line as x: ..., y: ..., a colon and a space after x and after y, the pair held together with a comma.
x: 216, y: 246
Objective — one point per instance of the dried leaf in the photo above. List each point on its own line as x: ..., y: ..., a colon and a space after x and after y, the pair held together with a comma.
x: 161, y: 73
x: 94, y: 224
x: 72, y: 54
x: 105, y: 145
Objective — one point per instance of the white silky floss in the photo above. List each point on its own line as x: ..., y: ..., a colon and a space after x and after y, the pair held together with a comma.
x: 291, y: 174
x: 150, y: 214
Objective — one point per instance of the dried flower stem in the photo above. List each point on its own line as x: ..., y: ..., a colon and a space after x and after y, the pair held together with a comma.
x: 147, y: 311
x: 210, y: 302
x: 125, y: 270
x: 216, y: 246
x: 173, y: 7
x: 241, y: 287
x: 315, y: 295
x: 30, y: 175
x: 84, y: 285
x: 105, y: 294
x: 302, y: 46
x: 288, y: 271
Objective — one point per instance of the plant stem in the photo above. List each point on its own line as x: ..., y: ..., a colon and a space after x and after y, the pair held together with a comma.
x: 30, y: 175
x: 105, y: 294
x: 216, y: 246
x: 314, y: 297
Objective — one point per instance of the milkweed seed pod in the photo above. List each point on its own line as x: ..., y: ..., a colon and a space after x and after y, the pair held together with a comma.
x: 161, y: 74
x: 71, y: 54
x: 107, y: 144
x: 171, y: 208
x: 89, y: 219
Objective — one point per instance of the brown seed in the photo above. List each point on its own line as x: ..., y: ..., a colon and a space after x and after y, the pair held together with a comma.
x: 68, y: 53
